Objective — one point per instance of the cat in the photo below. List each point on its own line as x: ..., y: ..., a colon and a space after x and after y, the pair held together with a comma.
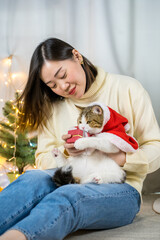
x: 94, y: 165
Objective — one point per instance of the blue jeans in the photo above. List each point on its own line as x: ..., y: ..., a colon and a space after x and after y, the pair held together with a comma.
x: 35, y: 206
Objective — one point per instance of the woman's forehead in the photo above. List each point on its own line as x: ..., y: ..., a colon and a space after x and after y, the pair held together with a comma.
x: 50, y: 69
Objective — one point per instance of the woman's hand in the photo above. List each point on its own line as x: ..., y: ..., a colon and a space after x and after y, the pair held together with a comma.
x: 119, y: 157
x: 72, y: 151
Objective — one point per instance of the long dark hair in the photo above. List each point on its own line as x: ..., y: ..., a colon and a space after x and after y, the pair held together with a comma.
x: 37, y: 96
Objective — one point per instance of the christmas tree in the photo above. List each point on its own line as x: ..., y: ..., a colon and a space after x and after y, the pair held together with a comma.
x: 15, y: 145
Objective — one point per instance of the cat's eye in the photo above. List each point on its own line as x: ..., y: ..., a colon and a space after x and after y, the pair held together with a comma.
x: 88, y: 122
x: 79, y: 122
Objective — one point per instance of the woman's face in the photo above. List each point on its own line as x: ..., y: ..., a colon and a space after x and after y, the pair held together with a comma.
x: 65, y: 78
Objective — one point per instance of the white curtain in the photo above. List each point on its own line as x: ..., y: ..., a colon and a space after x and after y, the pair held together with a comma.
x: 122, y: 36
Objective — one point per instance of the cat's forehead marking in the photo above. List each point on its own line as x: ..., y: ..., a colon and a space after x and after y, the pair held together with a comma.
x: 92, y: 109
x: 83, y: 119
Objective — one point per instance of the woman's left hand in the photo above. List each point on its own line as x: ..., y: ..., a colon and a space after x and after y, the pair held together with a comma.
x: 71, y: 150
x: 119, y: 157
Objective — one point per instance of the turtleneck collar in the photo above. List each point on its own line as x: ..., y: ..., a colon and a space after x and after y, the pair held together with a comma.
x: 93, y: 90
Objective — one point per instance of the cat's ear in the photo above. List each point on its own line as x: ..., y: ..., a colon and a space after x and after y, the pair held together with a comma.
x: 97, y: 110
x: 80, y: 108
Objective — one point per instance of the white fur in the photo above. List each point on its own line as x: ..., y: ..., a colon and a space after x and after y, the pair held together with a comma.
x: 93, y: 165
x: 96, y: 167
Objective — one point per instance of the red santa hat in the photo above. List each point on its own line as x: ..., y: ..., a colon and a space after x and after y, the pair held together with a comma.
x: 115, y: 128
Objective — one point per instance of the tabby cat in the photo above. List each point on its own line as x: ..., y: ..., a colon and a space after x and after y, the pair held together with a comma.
x: 93, y: 165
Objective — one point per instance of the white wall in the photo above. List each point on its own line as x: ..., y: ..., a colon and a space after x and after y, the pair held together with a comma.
x: 122, y: 36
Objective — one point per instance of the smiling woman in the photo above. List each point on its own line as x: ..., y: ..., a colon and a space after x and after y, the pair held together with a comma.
x: 63, y: 80
x: 66, y: 78
x: 57, y: 71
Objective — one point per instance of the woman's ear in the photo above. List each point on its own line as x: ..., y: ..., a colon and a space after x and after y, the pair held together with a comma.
x: 77, y: 56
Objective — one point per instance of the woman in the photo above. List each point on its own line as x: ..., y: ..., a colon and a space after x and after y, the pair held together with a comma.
x: 60, y: 79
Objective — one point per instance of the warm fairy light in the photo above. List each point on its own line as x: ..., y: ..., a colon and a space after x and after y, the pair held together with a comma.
x: 19, y: 91
x: 13, y: 75
x: 8, y: 61
x: 17, y: 175
x: 11, y: 79
x: 12, y: 146
x: 4, y: 145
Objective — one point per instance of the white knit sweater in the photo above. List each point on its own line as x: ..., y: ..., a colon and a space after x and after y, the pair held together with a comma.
x: 126, y: 96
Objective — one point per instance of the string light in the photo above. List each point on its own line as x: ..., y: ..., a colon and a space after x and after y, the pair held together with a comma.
x: 8, y: 81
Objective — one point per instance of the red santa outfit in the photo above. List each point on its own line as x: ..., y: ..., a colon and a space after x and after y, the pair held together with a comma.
x: 115, y: 128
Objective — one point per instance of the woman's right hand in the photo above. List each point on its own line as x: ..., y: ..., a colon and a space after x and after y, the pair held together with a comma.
x: 72, y: 151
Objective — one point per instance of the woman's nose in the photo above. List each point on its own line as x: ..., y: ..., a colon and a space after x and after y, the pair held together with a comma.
x: 64, y: 86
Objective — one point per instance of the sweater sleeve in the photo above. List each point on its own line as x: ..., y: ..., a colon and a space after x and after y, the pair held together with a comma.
x: 46, y: 142
x: 147, y: 132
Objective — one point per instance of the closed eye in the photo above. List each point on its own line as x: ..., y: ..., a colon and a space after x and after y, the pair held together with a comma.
x: 54, y: 86
x: 64, y: 76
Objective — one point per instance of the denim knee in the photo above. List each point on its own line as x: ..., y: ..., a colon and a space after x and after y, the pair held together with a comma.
x: 22, y: 195
x: 96, y: 208
x: 36, y: 177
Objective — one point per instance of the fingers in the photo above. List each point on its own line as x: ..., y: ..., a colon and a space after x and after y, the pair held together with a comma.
x: 72, y: 151
x: 74, y: 154
x: 70, y: 148
x: 66, y: 136
x: 69, y: 145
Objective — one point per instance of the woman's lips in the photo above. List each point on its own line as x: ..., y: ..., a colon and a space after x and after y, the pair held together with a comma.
x: 72, y: 91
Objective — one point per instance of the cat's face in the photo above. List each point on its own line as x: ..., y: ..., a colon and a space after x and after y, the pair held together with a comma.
x: 91, y: 119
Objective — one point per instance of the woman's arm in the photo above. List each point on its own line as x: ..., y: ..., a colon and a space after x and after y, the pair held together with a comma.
x: 46, y: 142
x: 119, y: 158
x: 146, y: 130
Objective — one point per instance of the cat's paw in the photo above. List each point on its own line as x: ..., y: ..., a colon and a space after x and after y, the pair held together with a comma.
x: 97, y: 180
x: 55, y: 152
x: 80, y: 144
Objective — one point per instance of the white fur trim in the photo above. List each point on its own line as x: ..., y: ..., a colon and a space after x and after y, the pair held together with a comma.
x: 120, y: 143
x: 127, y: 127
